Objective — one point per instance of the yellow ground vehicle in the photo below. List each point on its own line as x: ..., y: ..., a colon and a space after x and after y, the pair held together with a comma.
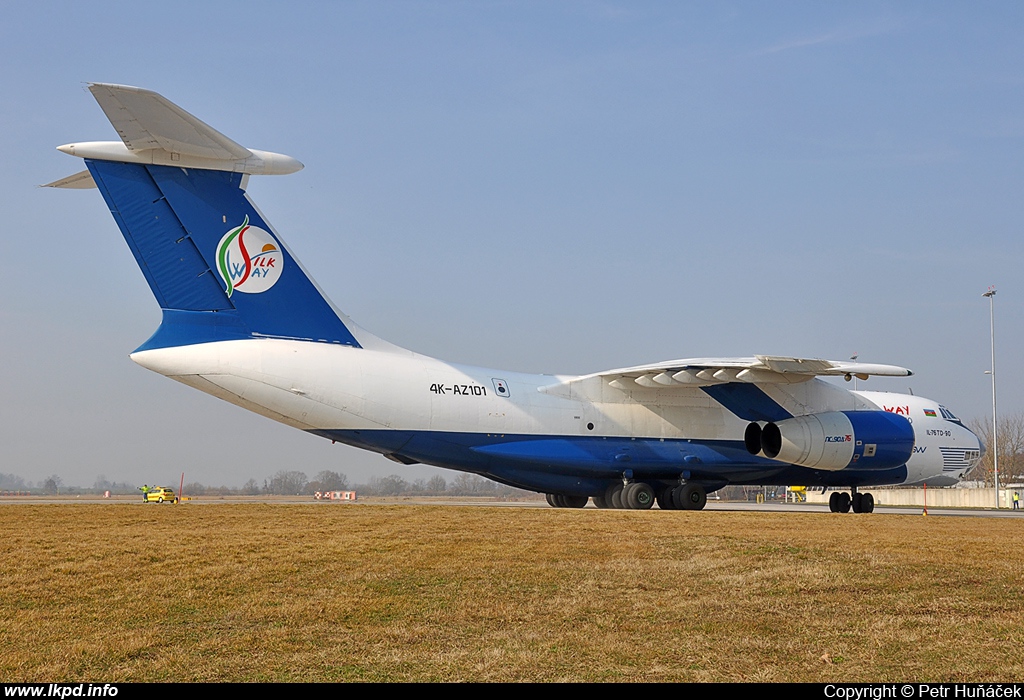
x: 160, y: 494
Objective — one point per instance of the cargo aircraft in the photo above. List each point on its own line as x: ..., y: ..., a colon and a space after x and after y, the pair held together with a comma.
x: 243, y: 321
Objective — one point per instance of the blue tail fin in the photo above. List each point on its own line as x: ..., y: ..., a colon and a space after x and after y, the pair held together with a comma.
x: 215, y: 266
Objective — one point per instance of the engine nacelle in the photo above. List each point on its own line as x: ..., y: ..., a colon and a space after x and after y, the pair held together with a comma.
x: 835, y: 440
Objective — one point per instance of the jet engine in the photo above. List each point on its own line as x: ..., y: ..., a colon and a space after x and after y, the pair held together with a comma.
x: 835, y: 440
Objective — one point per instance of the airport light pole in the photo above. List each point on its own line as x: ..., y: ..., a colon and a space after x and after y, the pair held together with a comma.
x: 991, y: 294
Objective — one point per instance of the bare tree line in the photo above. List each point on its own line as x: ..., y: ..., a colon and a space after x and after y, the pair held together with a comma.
x: 284, y: 482
x: 463, y: 484
x: 1010, y: 436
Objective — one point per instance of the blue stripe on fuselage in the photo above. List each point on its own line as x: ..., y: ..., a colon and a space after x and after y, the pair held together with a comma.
x: 748, y: 401
x: 540, y: 462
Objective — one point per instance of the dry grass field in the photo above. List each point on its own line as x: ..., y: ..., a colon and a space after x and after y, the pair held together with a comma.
x: 334, y: 592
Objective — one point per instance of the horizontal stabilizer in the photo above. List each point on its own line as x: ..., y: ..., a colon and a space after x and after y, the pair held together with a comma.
x: 78, y: 181
x: 155, y: 131
x: 145, y: 119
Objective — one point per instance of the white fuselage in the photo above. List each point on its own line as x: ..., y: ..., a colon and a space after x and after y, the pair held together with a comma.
x: 323, y: 387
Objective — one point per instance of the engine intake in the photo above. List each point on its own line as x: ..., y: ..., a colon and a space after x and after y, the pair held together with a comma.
x: 835, y: 440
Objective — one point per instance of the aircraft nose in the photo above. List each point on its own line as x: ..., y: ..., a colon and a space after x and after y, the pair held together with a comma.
x: 976, y: 446
x: 977, y: 440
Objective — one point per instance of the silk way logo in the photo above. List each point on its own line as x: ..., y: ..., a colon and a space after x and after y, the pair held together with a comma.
x: 249, y: 259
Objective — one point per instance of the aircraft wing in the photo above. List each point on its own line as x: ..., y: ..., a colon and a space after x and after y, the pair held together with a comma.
x: 760, y: 369
x: 145, y: 120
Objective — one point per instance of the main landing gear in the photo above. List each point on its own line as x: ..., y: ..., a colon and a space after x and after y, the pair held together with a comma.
x: 841, y: 502
x: 557, y: 500
x: 638, y: 495
x: 683, y: 497
x: 634, y: 495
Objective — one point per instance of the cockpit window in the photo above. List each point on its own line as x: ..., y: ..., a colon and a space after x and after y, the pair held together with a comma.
x: 948, y: 415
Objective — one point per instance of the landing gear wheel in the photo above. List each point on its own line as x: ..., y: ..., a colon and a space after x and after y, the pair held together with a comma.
x: 855, y: 501
x: 843, y: 502
x: 665, y: 501
x: 693, y: 497
x: 867, y: 503
x: 574, y: 501
x: 624, y: 498
x: 550, y: 498
x: 614, y: 495
x: 833, y: 502
x: 638, y: 496
x: 601, y: 502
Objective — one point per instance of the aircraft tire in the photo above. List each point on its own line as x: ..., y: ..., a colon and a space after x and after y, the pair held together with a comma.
x: 550, y: 498
x: 627, y: 490
x: 639, y: 496
x: 843, y: 502
x: 614, y: 496
x: 693, y: 497
x: 665, y: 501
x: 601, y: 502
x: 833, y: 502
x: 867, y: 503
x: 574, y: 501
x: 855, y: 502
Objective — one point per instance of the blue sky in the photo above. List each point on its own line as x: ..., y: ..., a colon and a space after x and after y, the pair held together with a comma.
x: 552, y: 187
